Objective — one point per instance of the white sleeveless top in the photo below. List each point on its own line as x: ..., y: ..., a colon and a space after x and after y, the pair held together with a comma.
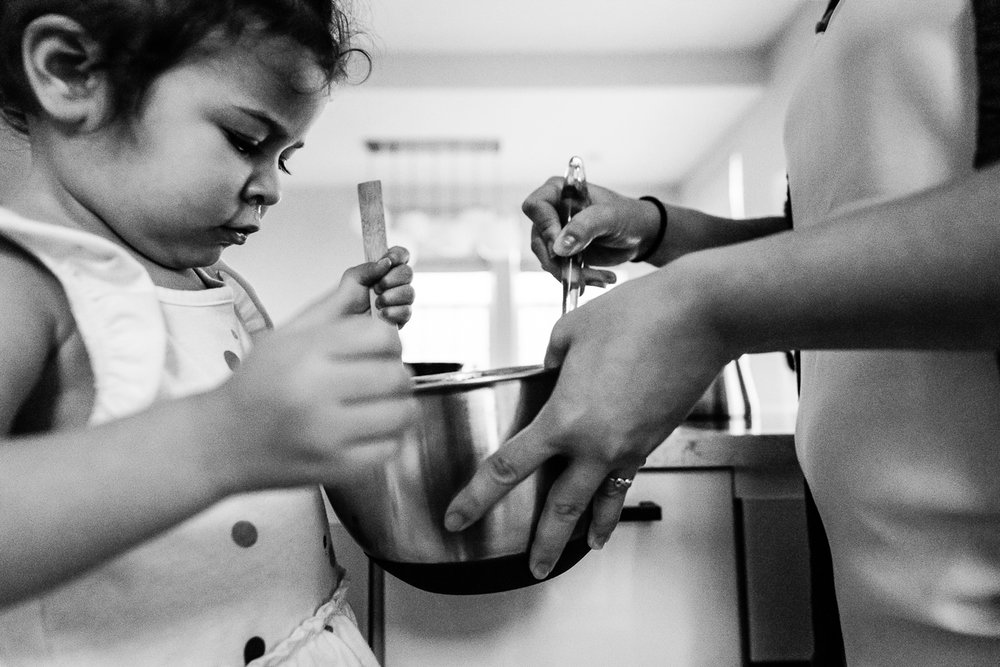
x: 901, y: 449
x: 229, y: 584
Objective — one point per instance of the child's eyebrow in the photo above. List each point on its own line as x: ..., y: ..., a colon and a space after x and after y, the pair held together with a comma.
x: 274, y: 128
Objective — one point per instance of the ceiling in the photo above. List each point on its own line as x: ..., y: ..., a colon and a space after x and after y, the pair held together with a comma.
x: 641, y: 89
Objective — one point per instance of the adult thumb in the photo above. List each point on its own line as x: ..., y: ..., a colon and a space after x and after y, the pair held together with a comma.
x: 577, y: 235
x: 558, y: 347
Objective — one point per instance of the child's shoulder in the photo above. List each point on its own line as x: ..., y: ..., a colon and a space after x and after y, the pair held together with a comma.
x: 37, y: 328
x: 30, y: 296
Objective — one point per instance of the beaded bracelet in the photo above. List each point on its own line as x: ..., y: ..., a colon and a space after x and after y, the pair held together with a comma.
x: 659, y: 234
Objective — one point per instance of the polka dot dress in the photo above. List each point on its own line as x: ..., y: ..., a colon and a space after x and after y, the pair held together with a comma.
x: 250, y: 580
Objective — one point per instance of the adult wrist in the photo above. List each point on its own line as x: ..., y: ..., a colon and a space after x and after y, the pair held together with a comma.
x: 661, y: 230
x: 699, y: 283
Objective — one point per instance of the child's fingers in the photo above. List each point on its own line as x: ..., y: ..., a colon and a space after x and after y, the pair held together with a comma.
x: 340, y: 338
x: 369, y: 273
x: 395, y: 304
x: 360, y: 338
x: 398, y: 315
x: 398, y: 255
x: 363, y: 399
x: 349, y: 298
x: 403, y: 295
x: 399, y: 273
x: 395, y: 277
x: 389, y: 278
x: 376, y: 420
x: 365, y: 380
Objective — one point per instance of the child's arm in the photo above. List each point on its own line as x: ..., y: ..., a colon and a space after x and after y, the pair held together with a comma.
x: 313, y: 400
x: 37, y: 340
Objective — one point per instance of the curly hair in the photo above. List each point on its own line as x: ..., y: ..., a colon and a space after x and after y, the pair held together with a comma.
x: 141, y: 39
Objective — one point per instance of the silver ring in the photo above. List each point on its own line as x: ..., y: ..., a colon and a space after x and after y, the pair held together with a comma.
x: 620, y: 482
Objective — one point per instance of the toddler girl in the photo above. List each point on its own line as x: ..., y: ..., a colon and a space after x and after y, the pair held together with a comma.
x: 160, y: 484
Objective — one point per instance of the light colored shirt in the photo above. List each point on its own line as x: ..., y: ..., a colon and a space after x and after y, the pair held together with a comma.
x: 901, y: 449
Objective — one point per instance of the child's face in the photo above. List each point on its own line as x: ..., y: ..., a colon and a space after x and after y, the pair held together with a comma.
x: 182, y: 181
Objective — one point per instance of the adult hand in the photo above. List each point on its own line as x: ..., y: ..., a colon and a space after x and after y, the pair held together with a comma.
x: 621, y: 390
x: 612, y: 230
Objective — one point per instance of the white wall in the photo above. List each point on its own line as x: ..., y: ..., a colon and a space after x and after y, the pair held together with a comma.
x: 758, y: 137
x: 304, y: 246
x: 758, y: 140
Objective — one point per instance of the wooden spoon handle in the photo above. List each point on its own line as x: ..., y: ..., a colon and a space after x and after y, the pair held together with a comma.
x: 372, y: 220
x: 372, y: 226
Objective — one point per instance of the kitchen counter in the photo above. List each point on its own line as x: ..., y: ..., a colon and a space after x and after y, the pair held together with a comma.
x: 761, y: 443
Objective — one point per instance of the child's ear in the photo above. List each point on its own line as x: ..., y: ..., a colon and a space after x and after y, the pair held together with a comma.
x: 62, y: 61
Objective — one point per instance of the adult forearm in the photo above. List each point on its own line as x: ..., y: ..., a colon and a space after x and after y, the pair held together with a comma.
x: 918, y: 272
x: 690, y: 230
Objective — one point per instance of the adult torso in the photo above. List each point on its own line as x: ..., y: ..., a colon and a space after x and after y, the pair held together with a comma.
x: 899, y: 447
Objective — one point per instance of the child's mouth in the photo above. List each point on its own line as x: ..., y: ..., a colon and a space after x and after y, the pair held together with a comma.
x: 234, y: 236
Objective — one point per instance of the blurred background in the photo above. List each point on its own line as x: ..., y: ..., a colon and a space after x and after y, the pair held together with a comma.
x: 470, y: 105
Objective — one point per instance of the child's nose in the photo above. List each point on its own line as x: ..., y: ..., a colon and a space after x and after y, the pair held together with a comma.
x: 263, y: 186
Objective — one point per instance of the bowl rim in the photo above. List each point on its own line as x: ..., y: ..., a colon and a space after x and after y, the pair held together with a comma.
x: 476, y: 378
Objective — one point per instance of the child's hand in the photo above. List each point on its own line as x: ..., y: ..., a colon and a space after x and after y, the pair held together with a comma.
x: 319, y: 400
x: 390, y: 278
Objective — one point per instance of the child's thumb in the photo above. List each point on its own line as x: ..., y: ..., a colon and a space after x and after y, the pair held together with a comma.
x: 369, y: 273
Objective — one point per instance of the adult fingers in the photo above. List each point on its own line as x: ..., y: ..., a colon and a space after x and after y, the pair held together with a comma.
x: 502, y: 471
x: 559, y: 341
x: 599, y: 277
x: 567, y: 501
x: 607, y: 506
x: 540, y: 206
x: 553, y: 264
x: 542, y: 250
x: 587, y: 225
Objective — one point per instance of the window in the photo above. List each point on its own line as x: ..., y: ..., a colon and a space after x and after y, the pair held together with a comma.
x: 488, y: 318
x: 451, y: 318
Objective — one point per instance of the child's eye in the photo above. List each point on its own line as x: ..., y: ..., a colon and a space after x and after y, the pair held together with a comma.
x: 248, y: 146
x: 242, y: 143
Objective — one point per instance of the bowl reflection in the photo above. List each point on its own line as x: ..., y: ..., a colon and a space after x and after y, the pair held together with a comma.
x: 395, y: 511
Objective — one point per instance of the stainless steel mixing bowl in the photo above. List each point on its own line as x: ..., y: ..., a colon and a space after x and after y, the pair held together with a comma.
x: 396, y: 511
